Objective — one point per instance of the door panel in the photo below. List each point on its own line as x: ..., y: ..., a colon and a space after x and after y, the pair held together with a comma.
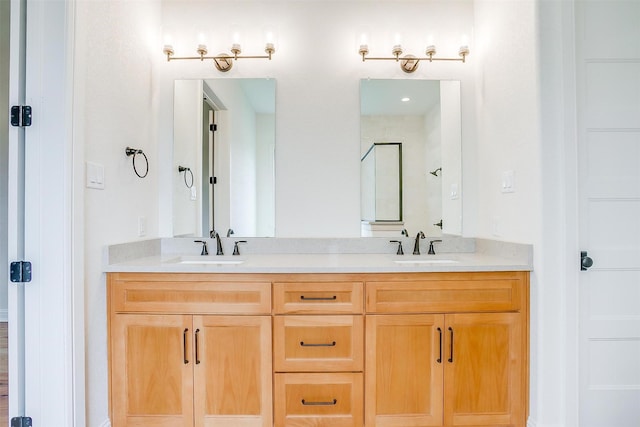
x: 609, y: 160
x: 151, y: 370
x: 484, y: 374
x: 403, y: 384
x: 233, y: 373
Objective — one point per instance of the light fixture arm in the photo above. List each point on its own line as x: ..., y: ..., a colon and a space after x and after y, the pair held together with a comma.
x: 222, y: 61
x: 409, y: 63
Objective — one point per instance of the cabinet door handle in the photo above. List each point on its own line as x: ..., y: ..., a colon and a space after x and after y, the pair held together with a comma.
x: 451, y: 345
x: 197, y: 349
x: 184, y: 345
x: 331, y: 403
x: 303, y: 298
x: 440, y: 353
x: 331, y: 344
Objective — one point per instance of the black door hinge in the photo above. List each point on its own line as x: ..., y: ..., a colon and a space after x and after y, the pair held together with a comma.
x: 21, y: 115
x: 21, y: 422
x: 213, y: 180
x: 213, y: 127
x: 20, y: 272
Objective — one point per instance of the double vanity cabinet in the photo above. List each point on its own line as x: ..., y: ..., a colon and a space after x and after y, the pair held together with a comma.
x: 309, y: 349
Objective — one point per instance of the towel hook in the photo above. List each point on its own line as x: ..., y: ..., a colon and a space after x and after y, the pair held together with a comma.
x: 133, y: 152
x: 185, y: 170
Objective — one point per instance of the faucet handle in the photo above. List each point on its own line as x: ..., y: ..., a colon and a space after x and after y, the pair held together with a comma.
x: 400, y: 251
x: 236, y: 250
x: 431, y: 250
x: 205, y: 251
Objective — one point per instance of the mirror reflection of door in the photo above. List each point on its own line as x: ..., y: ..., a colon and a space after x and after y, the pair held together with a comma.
x: 208, y: 162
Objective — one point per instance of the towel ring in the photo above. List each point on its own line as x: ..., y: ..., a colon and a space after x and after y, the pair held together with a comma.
x: 185, y: 170
x: 133, y: 152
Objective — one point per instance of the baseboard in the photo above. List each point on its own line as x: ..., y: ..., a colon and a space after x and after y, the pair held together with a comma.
x: 4, y: 315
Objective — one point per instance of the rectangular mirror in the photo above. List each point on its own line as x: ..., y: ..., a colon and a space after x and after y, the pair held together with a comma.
x: 423, y: 119
x: 223, y: 157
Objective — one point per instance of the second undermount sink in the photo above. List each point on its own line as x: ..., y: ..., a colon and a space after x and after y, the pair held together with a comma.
x: 425, y: 261
x: 210, y: 260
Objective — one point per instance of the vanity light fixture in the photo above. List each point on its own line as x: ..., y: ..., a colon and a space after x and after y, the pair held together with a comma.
x: 222, y: 61
x: 409, y: 63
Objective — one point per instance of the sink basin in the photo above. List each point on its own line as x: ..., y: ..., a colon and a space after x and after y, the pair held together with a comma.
x: 425, y: 261
x: 210, y: 260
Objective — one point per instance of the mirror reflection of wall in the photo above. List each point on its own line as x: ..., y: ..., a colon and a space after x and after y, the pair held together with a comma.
x: 424, y: 116
x: 233, y: 165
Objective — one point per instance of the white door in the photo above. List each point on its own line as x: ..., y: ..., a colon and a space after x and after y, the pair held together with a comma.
x: 608, y: 69
x: 46, y: 381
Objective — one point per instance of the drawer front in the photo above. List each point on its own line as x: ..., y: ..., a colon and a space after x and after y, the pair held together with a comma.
x: 317, y: 297
x: 187, y: 293
x: 318, y: 343
x: 455, y: 293
x: 318, y: 400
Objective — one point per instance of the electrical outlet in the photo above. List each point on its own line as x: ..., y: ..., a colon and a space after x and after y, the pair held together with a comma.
x: 142, y: 226
x: 94, y: 175
x: 454, y: 192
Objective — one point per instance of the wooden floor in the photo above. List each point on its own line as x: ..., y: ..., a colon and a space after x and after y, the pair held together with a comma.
x: 4, y: 377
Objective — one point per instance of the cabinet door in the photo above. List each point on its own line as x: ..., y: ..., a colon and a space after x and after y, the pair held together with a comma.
x: 484, y: 370
x: 404, y: 370
x: 232, y: 372
x: 151, y: 370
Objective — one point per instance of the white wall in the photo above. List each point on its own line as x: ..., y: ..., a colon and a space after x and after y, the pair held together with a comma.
x: 4, y: 155
x: 115, y: 106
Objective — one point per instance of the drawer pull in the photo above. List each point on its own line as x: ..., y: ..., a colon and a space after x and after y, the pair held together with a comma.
x: 197, y: 347
x: 184, y: 345
x: 331, y: 344
x: 303, y: 298
x: 451, y: 345
x: 331, y: 403
x: 440, y: 354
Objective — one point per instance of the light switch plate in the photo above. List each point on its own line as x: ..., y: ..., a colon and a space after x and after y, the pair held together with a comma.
x: 94, y: 175
x: 508, y: 182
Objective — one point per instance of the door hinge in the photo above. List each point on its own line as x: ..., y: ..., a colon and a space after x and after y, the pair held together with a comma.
x: 585, y: 261
x: 21, y: 422
x: 213, y: 180
x: 21, y: 115
x: 20, y: 272
x: 213, y: 127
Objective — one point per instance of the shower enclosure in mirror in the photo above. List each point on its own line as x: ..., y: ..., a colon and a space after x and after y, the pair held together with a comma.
x: 381, y: 191
x: 224, y: 134
x: 423, y: 118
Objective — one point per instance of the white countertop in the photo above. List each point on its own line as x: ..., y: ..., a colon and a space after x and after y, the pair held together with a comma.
x: 321, y: 263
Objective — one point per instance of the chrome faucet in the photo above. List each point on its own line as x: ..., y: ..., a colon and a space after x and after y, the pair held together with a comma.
x: 416, y: 246
x: 214, y: 234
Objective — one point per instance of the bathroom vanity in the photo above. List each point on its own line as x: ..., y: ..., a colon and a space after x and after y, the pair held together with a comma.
x: 311, y: 344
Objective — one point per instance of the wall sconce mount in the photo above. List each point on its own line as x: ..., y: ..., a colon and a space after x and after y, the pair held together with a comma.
x: 409, y: 63
x: 223, y: 61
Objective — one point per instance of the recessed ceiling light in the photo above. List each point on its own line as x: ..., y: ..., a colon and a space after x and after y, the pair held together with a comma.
x: 406, y: 99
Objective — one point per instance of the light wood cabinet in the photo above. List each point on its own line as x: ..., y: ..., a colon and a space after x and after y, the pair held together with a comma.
x: 318, y: 331
x: 189, y: 369
x: 318, y: 350
x: 447, y: 369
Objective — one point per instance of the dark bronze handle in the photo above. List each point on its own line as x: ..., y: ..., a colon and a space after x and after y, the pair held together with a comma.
x: 331, y: 403
x: 440, y: 354
x: 184, y: 344
x: 197, y: 351
x: 451, y: 345
x: 331, y: 344
x: 303, y: 298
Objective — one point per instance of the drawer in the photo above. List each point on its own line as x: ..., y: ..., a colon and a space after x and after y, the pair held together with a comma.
x: 187, y: 293
x: 318, y: 343
x: 450, y: 292
x: 318, y: 400
x: 317, y: 297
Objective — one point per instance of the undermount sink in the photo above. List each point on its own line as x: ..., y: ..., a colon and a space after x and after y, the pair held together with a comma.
x: 425, y: 261
x: 210, y: 260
